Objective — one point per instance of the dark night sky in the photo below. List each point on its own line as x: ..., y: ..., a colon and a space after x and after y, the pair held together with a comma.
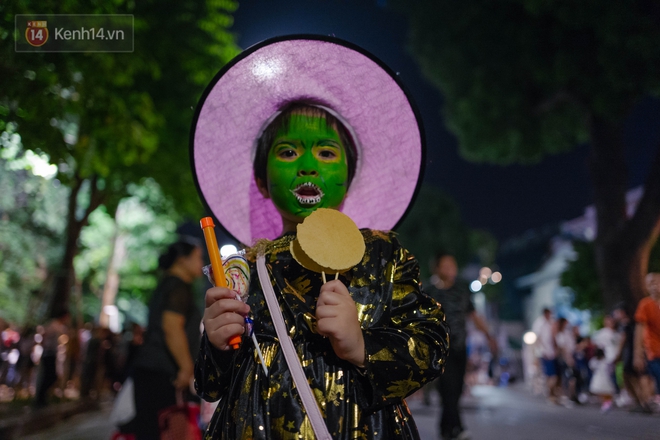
x: 503, y: 200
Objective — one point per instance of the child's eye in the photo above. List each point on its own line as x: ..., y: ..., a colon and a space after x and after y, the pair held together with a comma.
x: 327, y: 154
x: 287, y: 154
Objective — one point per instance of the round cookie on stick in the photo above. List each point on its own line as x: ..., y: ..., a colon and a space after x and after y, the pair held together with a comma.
x: 328, y: 241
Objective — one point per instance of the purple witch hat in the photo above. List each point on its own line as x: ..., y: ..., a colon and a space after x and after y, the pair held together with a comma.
x: 349, y: 82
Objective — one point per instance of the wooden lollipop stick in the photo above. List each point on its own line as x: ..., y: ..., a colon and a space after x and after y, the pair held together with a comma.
x: 323, y: 276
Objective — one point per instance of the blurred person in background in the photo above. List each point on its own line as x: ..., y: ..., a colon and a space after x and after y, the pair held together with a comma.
x: 9, y: 355
x: 4, y: 325
x: 565, y: 343
x: 581, y: 372
x: 47, y: 375
x: 646, y: 356
x: 633, y: 381
x: 91, y: 339
x: 165, y: 362
x: 601, y: 382
x: 455, y: 300
x: 25, y: 364
x: 546, y: 347
x: 608, y: 339
x: 131, y: 342
x: 73, y: 357
x: 109, y: 357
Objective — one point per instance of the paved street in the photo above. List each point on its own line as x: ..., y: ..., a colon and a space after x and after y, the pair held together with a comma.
x: 514, y: 414
x: 490, y: 414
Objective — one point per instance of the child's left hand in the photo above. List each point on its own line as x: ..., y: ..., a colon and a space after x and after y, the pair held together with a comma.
x: 337, y: 319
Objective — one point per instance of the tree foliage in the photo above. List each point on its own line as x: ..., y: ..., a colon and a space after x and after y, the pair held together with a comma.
x: 110, y: 120
x: 520, y: 78
x: 121, y: 117
x: 526, y: 78
x: 147, y: 222
x: 32, y: 220
x: 581, y: 276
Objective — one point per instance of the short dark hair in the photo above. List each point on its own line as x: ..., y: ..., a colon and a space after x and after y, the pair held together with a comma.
x: 624, y: 307
x: 440, y: 255
x: 307, y: 108
x: 182, y: 248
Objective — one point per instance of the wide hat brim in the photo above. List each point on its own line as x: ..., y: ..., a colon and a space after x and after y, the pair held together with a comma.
x: 357, y: 87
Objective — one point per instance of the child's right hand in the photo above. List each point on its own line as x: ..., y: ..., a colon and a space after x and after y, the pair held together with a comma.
x: 223, y: 316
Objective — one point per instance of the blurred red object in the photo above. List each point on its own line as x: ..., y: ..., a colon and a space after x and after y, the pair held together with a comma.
x: 122, y: 436
x: 180, y: 422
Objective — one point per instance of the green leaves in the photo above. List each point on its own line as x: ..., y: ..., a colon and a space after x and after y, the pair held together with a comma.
x: 521, y: 77
x: 434, y: 224
x: 32, y: 221
x: 581, y: 275
x: 111, y: 121
x: 145, y: 232
x: 118, y: 115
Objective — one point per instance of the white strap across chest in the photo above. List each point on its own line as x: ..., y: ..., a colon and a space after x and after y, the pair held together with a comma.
x: 292, y: 360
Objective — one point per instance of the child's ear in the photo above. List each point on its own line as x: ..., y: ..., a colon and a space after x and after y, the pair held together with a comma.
x: 263, y: 188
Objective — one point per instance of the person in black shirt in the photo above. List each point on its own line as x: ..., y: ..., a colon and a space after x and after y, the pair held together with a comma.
x: 165, y: 363
x: 454, y: 297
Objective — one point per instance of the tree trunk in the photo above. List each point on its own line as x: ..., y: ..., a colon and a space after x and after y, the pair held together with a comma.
x: 111, y: 286
x: 622, y: 246
x: 64, y: 279
x: 78, y: 295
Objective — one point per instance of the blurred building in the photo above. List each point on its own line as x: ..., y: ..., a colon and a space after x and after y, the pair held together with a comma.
x: 534, y: 263
x: 541, y: 287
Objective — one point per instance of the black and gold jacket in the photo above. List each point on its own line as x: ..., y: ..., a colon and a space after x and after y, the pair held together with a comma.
x: 406, y: 340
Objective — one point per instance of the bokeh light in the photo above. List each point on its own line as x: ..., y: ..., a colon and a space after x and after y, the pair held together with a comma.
x: 529, y: 338
x: 227, y: 250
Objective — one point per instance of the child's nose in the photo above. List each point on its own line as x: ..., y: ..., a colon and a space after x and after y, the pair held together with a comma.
x: 313, y: 173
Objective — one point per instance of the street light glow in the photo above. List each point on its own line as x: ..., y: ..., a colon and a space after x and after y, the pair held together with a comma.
x: 475, y: 286
x: 529, y: 338
x: 227, y: 250
x: 496, y: 277
x: 485, y: 272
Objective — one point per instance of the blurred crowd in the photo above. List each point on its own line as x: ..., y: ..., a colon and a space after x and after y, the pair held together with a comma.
x: 60, y: 361
x: 615, y: 365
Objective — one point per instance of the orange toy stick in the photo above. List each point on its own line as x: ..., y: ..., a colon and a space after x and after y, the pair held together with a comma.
x: 216, y: 263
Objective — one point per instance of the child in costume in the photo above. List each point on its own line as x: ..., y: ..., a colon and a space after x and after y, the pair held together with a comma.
x: 601, y: 383
x: 334, y: 130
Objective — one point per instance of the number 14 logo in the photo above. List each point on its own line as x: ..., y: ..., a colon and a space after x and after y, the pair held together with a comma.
x: 36, y: 33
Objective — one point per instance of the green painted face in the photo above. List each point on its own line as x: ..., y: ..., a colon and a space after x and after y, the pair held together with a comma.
x: 307, y: 167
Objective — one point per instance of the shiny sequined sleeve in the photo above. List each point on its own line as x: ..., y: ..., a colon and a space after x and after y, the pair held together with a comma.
x: 406, y: 338
x: 212, y: 371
